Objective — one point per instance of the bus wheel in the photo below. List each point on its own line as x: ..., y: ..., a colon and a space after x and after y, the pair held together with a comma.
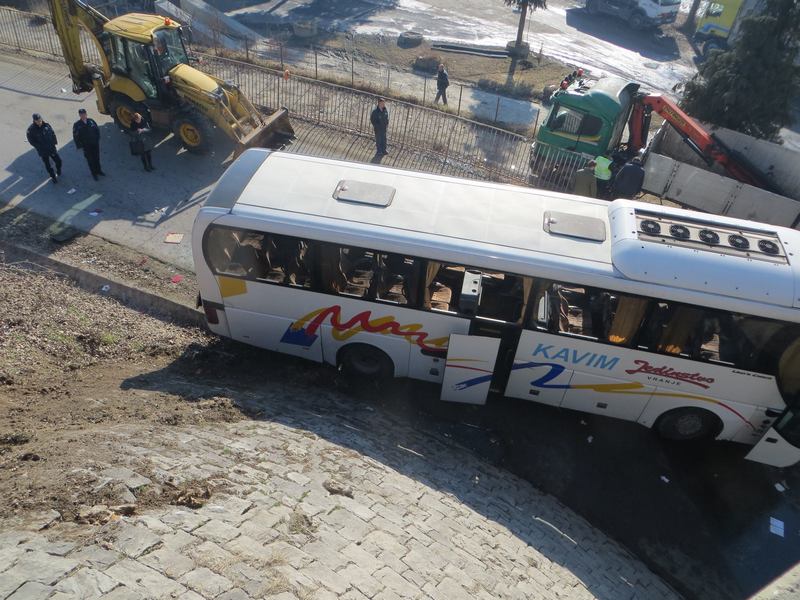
x: 365, y: 362
x: 688, y: 424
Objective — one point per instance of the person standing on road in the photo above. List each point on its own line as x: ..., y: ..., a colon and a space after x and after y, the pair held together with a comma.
x: 442, y: 83
x: 42, y: 137
x: 629, y: 179
x: 602, y: 173
x: 380, y: 123
x: 585, y: 183
x: 140, y: 141
x: 87, y: 137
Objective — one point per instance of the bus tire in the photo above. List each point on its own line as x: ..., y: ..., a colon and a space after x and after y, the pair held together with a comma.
x: 688, y: 423
x: 363, y: 361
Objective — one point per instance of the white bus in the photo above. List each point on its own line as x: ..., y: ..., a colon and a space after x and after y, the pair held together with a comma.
x: 685, y: 322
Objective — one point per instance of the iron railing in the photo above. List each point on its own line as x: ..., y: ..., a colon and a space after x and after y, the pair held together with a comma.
x: 478, y: 150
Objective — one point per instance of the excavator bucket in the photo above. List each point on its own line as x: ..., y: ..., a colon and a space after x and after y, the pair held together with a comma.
x: 274, y: 132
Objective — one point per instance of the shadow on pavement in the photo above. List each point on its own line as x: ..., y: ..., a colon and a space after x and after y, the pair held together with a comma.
x: 127, y: 193
x: 696, y: 515
x: 652, y: 44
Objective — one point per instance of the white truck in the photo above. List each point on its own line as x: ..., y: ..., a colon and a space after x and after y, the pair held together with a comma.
x: 639, y: 14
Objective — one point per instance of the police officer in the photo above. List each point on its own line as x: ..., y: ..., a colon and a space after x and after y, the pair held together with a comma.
x: 87, y: 137
x: 42, y: 137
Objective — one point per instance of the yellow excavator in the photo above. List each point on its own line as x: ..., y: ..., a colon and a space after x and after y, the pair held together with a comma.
x: 144, y: 67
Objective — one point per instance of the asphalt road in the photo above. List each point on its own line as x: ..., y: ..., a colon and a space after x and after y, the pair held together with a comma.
x: 563, y: 31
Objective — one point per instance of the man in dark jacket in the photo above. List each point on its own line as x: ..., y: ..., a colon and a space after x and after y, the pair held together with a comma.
x: 87, y: 137
x: 42, y: 137
x: 442, y: 83
x: 380, y: 123
x: 629, y: 179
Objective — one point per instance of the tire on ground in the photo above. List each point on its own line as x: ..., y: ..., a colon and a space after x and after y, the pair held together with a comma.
x: 194, y: 131
x: 409, y: 39
x: 122, y: 109
x: 638, y: 21
x: 688, y: 423
x: 366, y: 362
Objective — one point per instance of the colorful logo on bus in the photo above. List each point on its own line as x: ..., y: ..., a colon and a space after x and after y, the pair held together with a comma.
x: 303, y: 332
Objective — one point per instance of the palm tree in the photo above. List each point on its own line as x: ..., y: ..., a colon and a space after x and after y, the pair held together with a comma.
x: 523, y: 6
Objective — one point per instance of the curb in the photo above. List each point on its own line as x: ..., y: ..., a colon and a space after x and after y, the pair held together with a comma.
x: 141, y: 300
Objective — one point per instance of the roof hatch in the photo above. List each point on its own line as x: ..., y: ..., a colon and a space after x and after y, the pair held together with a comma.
x: 361, y: 192
x: 576, y: 226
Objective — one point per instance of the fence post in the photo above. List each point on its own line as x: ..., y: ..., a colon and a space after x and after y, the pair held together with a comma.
x: 281, y: 47
x: 247, y: 48
x: 352, y: 70
x: 316, y: 68
x: 405, y: 129
x: 424, y: 90
x: 497, y: 109
x: 460, y: 91
x: 388, y: 75
x: 16, y: 31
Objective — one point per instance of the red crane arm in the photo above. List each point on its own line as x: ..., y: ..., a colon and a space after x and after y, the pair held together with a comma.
x: 691, y: 131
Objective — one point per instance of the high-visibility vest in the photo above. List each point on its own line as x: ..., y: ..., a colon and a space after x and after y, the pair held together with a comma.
x: 602, y: 168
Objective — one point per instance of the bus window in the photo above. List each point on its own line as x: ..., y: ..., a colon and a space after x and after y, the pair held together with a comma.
x: 565, y: 308
x: 624, y: 315
x: 504, y: 296
x: 442, y: 286
x: 287, y: 261
x: 397, y: 280
x: 236, y: 252
x: 347, y: 271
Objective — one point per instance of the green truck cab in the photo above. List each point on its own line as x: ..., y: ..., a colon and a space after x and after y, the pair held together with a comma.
x: 585, y: 119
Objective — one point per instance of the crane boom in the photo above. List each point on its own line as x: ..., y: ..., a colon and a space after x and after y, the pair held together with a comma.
x: 706, y: 145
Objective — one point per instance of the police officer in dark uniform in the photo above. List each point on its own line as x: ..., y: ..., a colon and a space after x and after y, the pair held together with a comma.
x: 87, y: 137
x: 42, y: 137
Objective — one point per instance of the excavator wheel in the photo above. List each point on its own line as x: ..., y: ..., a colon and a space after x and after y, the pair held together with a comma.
x: 194, y: 131
x: 122, y: 109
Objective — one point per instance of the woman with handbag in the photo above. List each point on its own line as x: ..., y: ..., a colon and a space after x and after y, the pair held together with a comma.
x: 141, y: 144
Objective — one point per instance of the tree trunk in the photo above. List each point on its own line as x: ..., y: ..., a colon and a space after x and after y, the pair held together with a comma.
x: 522, y: 16
x: 691, y: 20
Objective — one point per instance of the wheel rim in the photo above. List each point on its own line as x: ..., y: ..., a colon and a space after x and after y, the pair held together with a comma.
x: 124, y: 115
x: 190, y: 134
x: 689, y: 425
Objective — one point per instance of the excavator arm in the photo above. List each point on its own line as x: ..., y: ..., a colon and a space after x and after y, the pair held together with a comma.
x: 705, y: 144
x: 68, y: 17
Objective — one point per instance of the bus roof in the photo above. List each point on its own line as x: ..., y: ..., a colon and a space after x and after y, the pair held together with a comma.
x: 523, y: 230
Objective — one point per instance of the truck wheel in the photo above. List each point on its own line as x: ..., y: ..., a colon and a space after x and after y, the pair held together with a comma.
x: 688, y: 423
x: 194, y: 131
x: 592, y: 7
x: 122, y: 109
x: 638, y: 21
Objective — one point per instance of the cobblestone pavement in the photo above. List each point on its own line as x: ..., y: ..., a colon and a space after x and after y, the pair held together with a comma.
x: 325, y: 500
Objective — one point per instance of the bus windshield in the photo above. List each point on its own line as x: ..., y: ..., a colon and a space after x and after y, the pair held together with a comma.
x: 168, y: 49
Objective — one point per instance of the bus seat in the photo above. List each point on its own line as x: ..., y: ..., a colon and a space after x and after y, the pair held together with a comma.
x: 249, y: 260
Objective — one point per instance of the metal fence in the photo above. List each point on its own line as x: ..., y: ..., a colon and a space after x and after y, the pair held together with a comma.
x: 487, y: 151
x: 478, y: 149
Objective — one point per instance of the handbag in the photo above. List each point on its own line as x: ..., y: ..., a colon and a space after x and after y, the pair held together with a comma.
x: 137, y: 147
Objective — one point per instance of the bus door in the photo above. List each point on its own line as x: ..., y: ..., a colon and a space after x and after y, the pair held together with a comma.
x: 481, y: 361
x: 777, y: 447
